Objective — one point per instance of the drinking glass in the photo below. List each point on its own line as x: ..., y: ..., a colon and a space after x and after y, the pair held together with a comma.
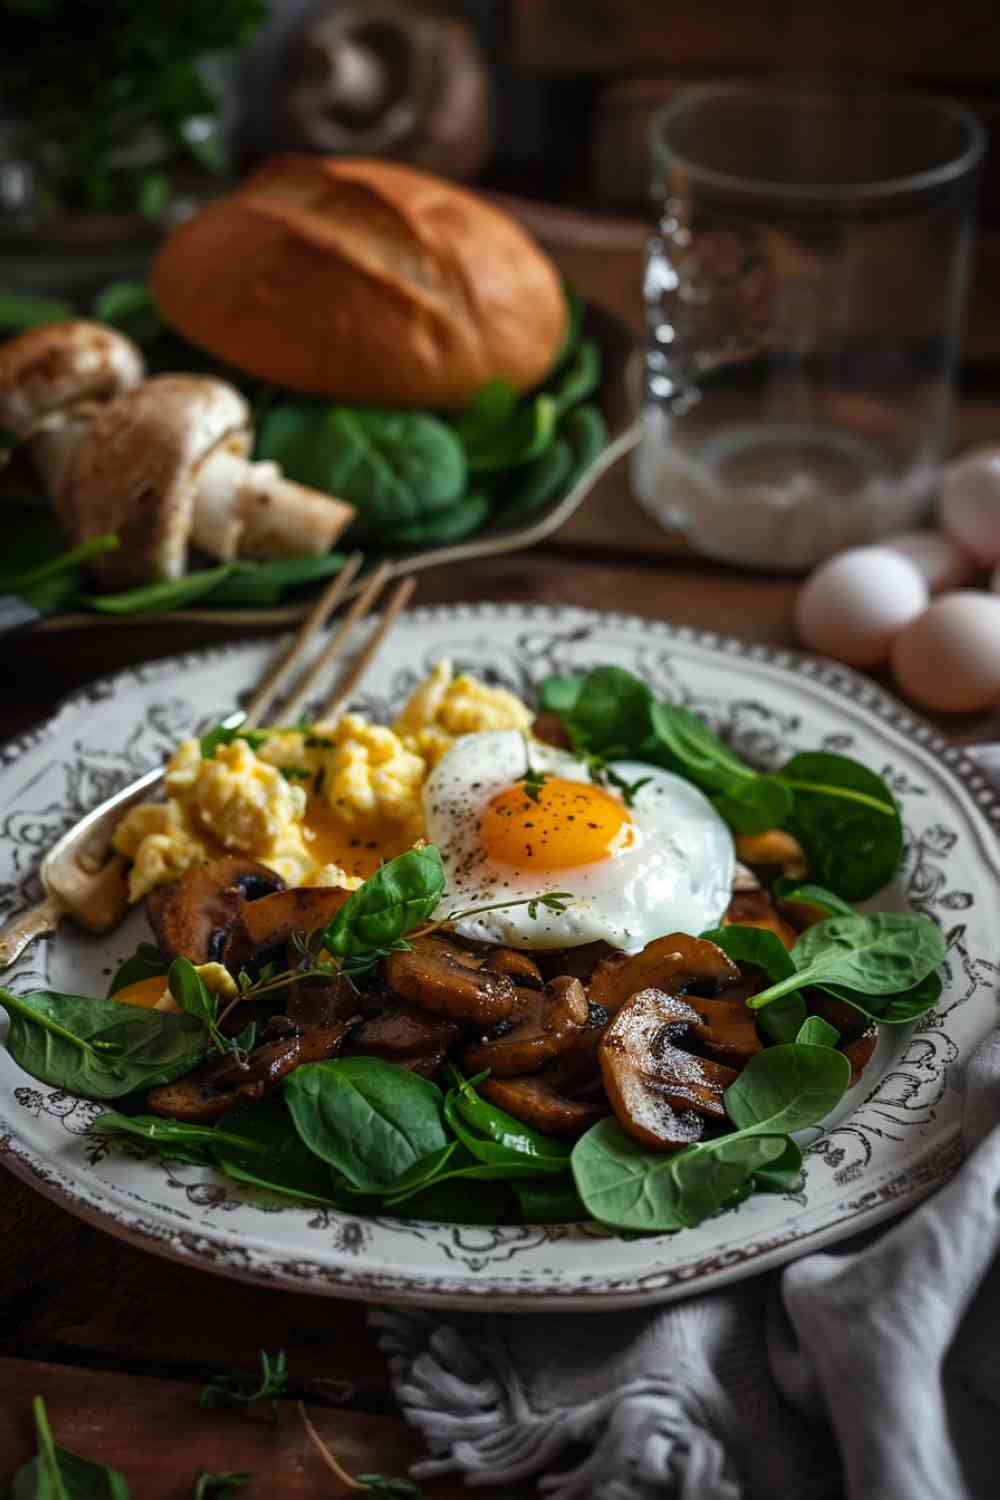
x: 804, y: 290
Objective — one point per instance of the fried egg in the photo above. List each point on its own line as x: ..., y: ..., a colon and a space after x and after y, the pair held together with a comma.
x: 663, y: 864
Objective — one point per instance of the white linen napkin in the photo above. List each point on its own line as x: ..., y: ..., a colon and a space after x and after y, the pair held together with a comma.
x: 871, y: 1371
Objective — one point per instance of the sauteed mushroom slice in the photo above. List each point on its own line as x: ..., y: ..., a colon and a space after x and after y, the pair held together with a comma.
x: 269, y: 922
x: 220, y: 1084
x: 848, y: 1021
x: 657, y: 1091
x: 520, y: 967
x: 321, y: 1004
x: 754, y: 909
x: 217, y: 1086
x: 546, y: 1023
x: 405, y: 1035
x: 538, y: 1104
x: 190, y: 916
x: 551, y: 730
x: 775, y: 849
x: 576, y: 1071
x: 858, y: 1051
x: 726, y: 1029
x: 674, y: 964
x: 580, y: 961
x: 441, y: 978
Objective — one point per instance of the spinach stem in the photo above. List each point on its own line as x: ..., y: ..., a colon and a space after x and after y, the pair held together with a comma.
x: 13, y: 582
x: 11, y: 1002
x: 47, y: 1449
x: 846, y: 793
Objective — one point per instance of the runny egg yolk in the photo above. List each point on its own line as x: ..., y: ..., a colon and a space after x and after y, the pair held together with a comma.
x: 571, y: 823
x: 331, y: 843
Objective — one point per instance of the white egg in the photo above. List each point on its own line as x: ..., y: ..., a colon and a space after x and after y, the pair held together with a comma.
x: 664, y: 864
x: 969, y: 508
x: 949, y: 658
x: 854, y: 604
x: 943, y: 563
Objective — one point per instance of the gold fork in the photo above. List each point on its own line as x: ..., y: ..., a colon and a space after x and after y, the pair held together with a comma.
x: 78, y: 878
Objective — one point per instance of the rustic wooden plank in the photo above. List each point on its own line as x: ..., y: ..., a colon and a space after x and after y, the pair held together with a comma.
x: 72, y: 1292
x: 890, y: 37
x: 155, y: 1433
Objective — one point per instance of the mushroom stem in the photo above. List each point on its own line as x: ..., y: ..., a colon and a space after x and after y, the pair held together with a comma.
x: 250, y: 509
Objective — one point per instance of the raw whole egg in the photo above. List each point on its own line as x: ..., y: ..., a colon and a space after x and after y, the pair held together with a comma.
x: 949, y: 658
x: 853, y: 605
x: 663, y: 864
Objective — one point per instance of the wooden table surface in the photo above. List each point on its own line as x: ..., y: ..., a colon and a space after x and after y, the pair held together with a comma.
x: 119, y: 1342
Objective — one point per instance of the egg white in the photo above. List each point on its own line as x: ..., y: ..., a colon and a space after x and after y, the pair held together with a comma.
x: 676, y: 874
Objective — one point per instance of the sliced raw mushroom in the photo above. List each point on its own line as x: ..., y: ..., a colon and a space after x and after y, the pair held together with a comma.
x: 220, y: 1084
x: 776, y: 849
x: 631, y: 1058
x: 51, y: 381
x: 725, y: 1029
x: 676, y: 963
x: 546, y: 1022
x: 446, y: 980
x: 538, y: 1104
x: 754, y: 909
x: 190, y: 917
x: 167, y: 464
x: 407, y: 1036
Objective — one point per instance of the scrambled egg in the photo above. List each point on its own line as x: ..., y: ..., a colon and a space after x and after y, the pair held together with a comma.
x: 320, y: 806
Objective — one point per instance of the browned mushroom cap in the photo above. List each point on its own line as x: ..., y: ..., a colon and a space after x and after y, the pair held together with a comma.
x: 135, y: 472
x: 190, y: 916
x: 48, y: 369
x: 538, y: 1104
x: 520, y: 967
x: 674, y: 963
x: 576, y: 1071
x: 550, y: 1020
x: 643, y: 1076
x: 776, y: 849
x: 726, y: 1029
x: 323, y: 1004
x: 407, y: 1036
x: 447, y: 981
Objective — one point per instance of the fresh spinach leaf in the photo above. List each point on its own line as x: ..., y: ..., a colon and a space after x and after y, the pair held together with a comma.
x: 611, y: 715
x: 21, y: 310
x: 444, y: 527
x: 578, y: 378
x: 394, y: 467
x: 129, y: 306
x: 147, y: 962
x: 806, y: 893
x: 686, y: 745
x: 754, y: 806
x: 162, y: 597
x: 846, y: 820
x: 398, y: 897
x: 781, y: 1021
x: 575, y: 309
x: 559, y: 695
x: 892, y: 1010
x: 164, y: 1133
x: 99, y: 1049
x: 784, y: 1174
x: 521, y: 440
x: 535, y: 485
x: 586, y: 431
x: 484, y: 422
x: 549, y: 1202
x: 56, y: 565
x: 260, y: 584
x: 886, y: 953
x: 707, y: 1176
x: 279, y: 1161
x: 284, y: 424
x: 369, y: 1119
x: 451, y: 1200
x: 223, y: 735
x: 54, y: 1474
x: 622, y: 1184
x: 817, y: 1032
x: 786, y: 1088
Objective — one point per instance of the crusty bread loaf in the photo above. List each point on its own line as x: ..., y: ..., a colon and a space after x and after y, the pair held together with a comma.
x: 365, y: 281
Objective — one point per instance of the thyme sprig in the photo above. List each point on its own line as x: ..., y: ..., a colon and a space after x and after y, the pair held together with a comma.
x: 235, y: 1388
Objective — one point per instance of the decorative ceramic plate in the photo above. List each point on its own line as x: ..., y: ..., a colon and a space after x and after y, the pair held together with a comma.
x: 892, y: 1139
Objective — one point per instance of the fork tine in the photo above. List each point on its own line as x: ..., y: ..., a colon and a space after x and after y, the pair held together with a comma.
x: 399, y: 600
x: 313, y: 623
x: 357, y: 611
